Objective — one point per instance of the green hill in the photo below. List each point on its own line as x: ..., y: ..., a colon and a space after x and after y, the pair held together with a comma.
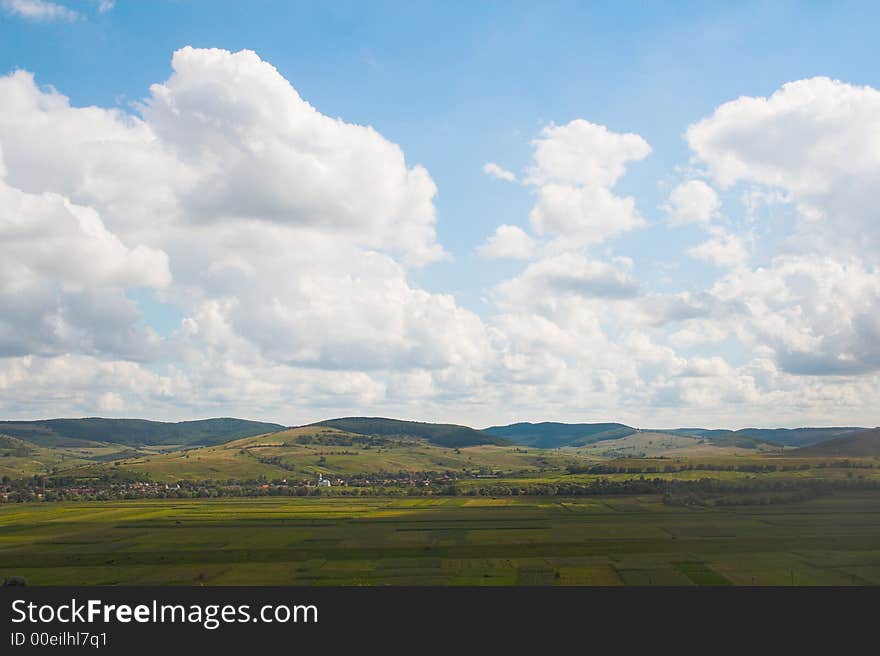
x: 448, y: 435
x: 551, y: 434
x: 12, y: 446
x: 660, y: 444
x: 308, y: 451
x: 778, y: 436
x: 724, y: 438
x: 799, y: 436
x: 863, y: 444
x: 91, y: 431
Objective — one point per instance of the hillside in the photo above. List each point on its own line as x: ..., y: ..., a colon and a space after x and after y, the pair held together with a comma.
x: 12, y: 446
x: 551, y: 434
x: 799, y: 436
x: 448, y: 435
x: 307, y: 451
x: 725, y: 438
x: 94, y: 431
x: 863, y: 444
x: 658, y: 444
x: 21, y: 459
x: 779, y: 436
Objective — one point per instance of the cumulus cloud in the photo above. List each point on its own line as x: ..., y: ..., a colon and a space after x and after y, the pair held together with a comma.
x: 63, y: 276
x: 817, y: 141
x: 816, y: 316
x: 575, y: 167
x: 509, y: 242
x: 579, y: 216
x: 723, y: 249
x: 569, y: 275
x: 692, y: 202
x: 581, y: 153
x: 281, y: 235
x: 286, y: 240
x: 264, y: 153
x: 813, y: 145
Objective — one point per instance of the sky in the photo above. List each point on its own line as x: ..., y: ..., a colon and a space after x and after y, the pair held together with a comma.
x: 662, y: 214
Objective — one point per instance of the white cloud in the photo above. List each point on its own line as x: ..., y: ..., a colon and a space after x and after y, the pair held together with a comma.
x: 813, y: 145
x: 280, y: 234
x: 566, y: 278
x: 579, y: 216
x: 492, y: 169
x: 575, y: 167
x: 39, y: 10
x: 818, y: 141
x: 692, y: 202
x: 285, y: 238
x: 263, y: 152
x: 723, y: 249
x: 63, y: 276
x: 816, y: 316
x: 105, y: 5
x: 581, y: 153
x: 508, y: 242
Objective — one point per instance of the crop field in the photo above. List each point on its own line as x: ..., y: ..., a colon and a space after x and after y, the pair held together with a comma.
x: 609, y: 540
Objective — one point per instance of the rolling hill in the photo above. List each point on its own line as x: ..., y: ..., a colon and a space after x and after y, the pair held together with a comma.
x: 307, y: 451
x: 722, y: 438
x: 799, y: 436
x: 93, y: 431
x: 365, y: 446
x: 660, y: 444
x: 448, y: 435
x: 780, y: 436
x: 551, y: 434
x: 22, y: 459
x: 863, y: 444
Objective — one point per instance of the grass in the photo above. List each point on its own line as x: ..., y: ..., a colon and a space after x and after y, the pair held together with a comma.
x: 282, y: 455
x: 831, y: 540
x: 312, y: 450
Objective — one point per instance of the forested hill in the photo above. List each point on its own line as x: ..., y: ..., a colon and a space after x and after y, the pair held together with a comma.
x: 857, y: 445
x: 448, y: 435
x: 551, y: 434
x: 133, y: 432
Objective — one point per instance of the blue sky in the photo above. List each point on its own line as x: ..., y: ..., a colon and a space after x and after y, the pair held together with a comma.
x: 457, y: 85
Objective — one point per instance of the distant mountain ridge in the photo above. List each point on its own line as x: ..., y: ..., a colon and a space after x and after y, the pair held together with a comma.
x: 552, y: 434
x: 856, y: 445
x: 448, y: 435
x: 780, y: 436
x: 133, y: 432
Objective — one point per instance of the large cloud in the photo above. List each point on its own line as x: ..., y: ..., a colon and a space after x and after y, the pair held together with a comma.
x: 285, y: 239
x: 264, y: 153
x: 575, y: 167
x: 238, y: 201
x: 817, y: 140
x: 815, y: 315
x: 815, y: 145
x: 63, y: 276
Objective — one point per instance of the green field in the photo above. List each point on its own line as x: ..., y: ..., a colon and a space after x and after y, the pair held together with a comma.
x: 312, y: 450
x: 609, y: 540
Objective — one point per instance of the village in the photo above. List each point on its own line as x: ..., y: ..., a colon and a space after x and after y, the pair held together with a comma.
x: 39, y: 488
